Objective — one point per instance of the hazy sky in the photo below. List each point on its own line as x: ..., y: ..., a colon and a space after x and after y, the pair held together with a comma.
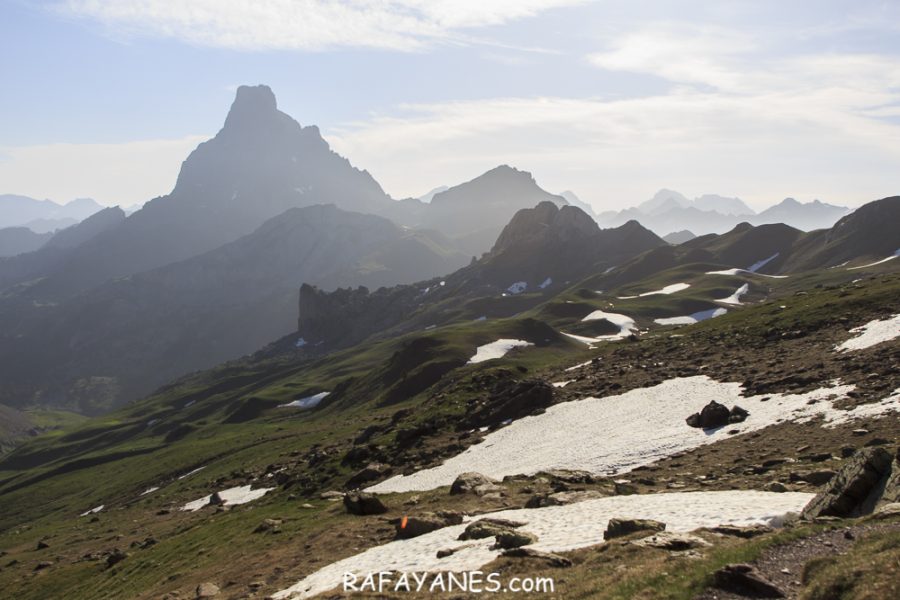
x: 612, y: 99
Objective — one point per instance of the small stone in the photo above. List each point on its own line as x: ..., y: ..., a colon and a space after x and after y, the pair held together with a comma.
x: 744, y: 579
x: 554, y: 560
x: 513, y: 538
x: 776, y: 486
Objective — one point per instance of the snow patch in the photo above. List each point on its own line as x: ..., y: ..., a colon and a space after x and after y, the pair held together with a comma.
x: 307, y: 402
x: 232, y: 496
x: 194, y: 472
x: 517, y: 288
x: 739, y: 271
x: 93, y: 511
x: 562, y: 384
x: 615, y: 434
x: 735, y: 298
x: 669, y: 289
x: 877, y: 262
x: 872, y: 333
x: 712, y: 313
x: 547, y: 283
x: 559, y: 529
x: 496, y: 349
x: 578, y: 366
x: 623, y: 322
x: 300, y: 343
x: 149, y: 490
x: 759, y: 265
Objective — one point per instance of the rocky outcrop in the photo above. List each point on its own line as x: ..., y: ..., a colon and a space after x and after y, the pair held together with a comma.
x: 745, y: 580
x: 473, y: 483
x: 362, y: 503
x: 621, y: 527
x: 416, y: 525
x: 869, y: 478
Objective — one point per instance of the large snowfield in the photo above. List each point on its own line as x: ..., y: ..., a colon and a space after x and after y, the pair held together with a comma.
x: 497, y: 349
x: 558, y: 528
x: 618, y: 433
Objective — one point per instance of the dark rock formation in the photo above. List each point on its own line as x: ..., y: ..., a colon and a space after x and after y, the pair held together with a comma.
x: 471, y: 483
x: 869, y: 477
x: 622, y: 527
x: 745, y: 580
x: 416, y: 525
x: 363, y: 503
x: 716, y: 415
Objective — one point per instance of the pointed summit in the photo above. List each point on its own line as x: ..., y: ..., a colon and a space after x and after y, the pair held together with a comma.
x: 250, y: 103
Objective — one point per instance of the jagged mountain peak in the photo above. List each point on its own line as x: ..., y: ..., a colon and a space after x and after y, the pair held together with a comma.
x: 544, y: 222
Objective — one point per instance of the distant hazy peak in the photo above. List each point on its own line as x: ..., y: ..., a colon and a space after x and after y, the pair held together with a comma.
x: 250, y: 102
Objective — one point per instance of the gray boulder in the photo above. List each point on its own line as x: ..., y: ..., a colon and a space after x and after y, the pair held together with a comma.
x: 868, y: 478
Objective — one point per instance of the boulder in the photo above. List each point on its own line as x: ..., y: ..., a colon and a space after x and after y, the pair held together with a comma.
x: 553, y: 560
x: 473, y: 483
x: 746, y: 532
x: 857, y: 488
x: 745, y: 580
x: 621, y: 527
x: 485, y: 528
x: 216, y: 499
x: 207, y: 590
x: 713, y: 415
x: 512, y: 538
x: 363, y: 503
x: 269, y: 525
x: 818, y: 477
x: 737, y: 414
x: 369, y: 473
x: 416, y: 525
x: 669, y: 540
x: 115, y: 557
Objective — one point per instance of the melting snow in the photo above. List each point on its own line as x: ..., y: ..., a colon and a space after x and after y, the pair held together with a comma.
x: 588, y: 340
x: 236, y: 495
x: 562, y: 384
x: 669, y: 289
x: 739, y: 271
x: 149, y: 490
x: 735, y: 298
x: 759, y: 265
x: 559, y: 529
x: 300, y: 343
x: 547, y: 283
x: 579, y: 365
x: 618, y: 433
x: 694, y: 318
x: 877, y: 262
x: 93, y: 511
x: 517, y: 288
x: 307, y: 402
x: 195, y: 471
x: 623, y: 322
x: 872, y: 333
x: 190, y: 404
x: 496, y: 349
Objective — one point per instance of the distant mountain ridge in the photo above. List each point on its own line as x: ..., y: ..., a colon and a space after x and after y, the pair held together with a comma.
x: 669, y: 211
x: 43, y: 216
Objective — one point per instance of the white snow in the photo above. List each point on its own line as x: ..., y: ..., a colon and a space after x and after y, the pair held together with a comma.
x: 496, y: 349
x: 759, y: 265
x: 236, y: 495
x: 307, y: 402
x: 739, y: 271
x: 669, y: 289
x: 623, y: 322
x: 547, y: 283
x: 587, y: 340
x: 93, y: 511
x: 872, y: 333
x: 481, y: 318
x: 194, y: 472
x: 152, y: 422
x: 190, y: 404
x: 300, y: 343
x: 579, y: 365
x: 518, y: 287
x: 712, y: 313
x: 735, y: 298
x: 559, y: 529
x: 562, y: 384
x: 149, y: 490
x: 618, y: 433
x: 877, y: 262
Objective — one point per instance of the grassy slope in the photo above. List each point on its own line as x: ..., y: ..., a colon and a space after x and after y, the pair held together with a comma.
x: 235, y: 428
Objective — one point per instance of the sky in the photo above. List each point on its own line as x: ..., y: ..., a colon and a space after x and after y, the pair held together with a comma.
x: 612, y: 99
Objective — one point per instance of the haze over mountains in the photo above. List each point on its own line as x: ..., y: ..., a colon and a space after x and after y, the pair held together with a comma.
x: 106, y: 310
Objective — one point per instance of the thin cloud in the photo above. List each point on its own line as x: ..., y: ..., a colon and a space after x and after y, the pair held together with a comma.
x: 406, y: 25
